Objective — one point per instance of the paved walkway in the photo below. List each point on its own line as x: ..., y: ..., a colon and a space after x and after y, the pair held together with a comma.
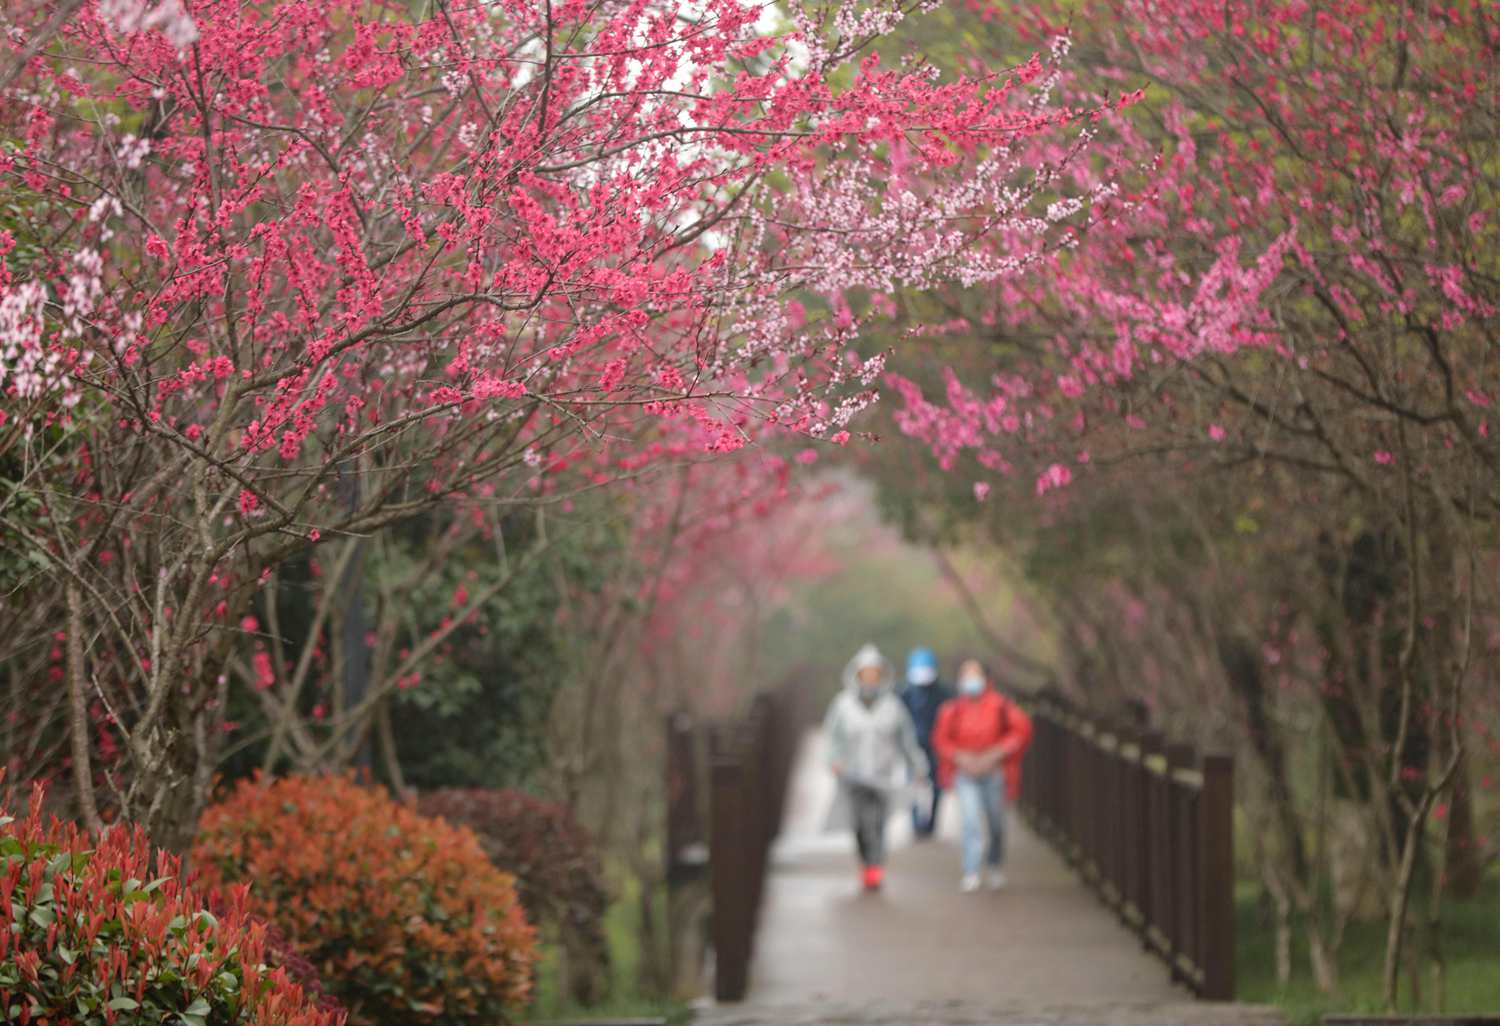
x: 1043, y: 952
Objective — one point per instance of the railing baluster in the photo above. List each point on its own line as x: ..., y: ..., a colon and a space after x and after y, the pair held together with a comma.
x: 1216, y: 884
x: 730, y: 855
x: 1131, y: 809
x: 1146, y: 851
x: 1176, y: 895
x: 1148, y: 829
x: 750, y: 760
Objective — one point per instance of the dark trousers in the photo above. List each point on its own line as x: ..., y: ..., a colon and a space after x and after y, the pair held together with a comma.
x: 870, y: 808
x: 924, y: 820
x: 924, y: 813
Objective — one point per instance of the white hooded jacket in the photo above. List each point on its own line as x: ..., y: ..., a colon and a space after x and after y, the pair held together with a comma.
x: 873, y: 742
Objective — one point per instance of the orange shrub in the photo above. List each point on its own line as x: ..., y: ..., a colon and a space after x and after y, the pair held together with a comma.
x: 557, y: 872
x: 405, y: 919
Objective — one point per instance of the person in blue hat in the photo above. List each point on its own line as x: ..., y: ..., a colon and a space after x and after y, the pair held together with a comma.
x: 924, y: 694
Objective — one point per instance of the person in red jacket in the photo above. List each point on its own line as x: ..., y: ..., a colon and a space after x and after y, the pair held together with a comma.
x: 979, y: 738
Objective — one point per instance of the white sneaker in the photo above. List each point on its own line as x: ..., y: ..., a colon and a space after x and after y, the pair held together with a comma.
x: 994, y: 880
x: 970, y: 883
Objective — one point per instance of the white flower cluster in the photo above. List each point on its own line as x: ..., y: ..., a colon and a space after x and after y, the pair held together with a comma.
x: 100, y: 211
x: 455, y: 82
x: 167, y: 16
x: 29, y: 370
x: 132, y: 151
x: 26, y: 370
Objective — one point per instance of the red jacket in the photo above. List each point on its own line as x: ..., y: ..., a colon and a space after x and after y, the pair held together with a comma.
x: 976, y: 724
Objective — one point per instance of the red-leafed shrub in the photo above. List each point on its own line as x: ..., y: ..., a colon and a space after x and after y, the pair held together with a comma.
x: 403, y: 916
x: 556, y: 867
x: 281, y: 954
x: 104, y: 933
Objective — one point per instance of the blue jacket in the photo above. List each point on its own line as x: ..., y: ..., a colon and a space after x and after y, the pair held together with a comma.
x: 922, y: 701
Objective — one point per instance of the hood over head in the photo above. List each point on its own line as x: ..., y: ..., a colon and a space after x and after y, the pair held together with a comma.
x: 868, y: 655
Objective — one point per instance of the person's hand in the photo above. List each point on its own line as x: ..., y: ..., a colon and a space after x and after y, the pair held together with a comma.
x: 977, y: 764
x: 838, y: 769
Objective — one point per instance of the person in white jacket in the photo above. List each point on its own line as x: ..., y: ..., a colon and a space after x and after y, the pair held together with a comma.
x: 873, y: 750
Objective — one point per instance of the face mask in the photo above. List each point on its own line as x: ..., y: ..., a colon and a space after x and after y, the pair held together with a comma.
x: 971, y: 686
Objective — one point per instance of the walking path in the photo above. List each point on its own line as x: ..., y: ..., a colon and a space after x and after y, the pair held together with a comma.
x: 1043, y: 952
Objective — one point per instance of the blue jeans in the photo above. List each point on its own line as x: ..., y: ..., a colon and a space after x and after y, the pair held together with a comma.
x: 981, y: 800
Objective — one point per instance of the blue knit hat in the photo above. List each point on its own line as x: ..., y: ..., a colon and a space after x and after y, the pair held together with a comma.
x: 921, y: 666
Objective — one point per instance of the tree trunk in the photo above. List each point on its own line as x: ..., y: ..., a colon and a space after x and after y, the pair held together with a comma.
x: 1324, y: 967
x: 162, y: 795
x: 654, y: 976
x: 1242, y: 669
x: 78, y: 715
x: 1395, y: 936
x: 1283, y: 906
x: 174, y: 756
x: 1463, y: 865
x: 585, y: 962
x: 389, y: 755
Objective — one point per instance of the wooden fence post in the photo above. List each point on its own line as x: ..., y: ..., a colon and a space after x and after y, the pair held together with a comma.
x: 1132, y: 804
x: 730, y: 849
x: 758, y: 791
x: 684, y: 827
x: 1148, y: 830
x: 1216, y: 901
x: 685, y: 855
x: 1146, y: 855
x: 1177, y: 895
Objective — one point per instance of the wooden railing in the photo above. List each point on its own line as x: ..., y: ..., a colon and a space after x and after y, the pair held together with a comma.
x: 1150, y: 826
x: 748, y: 760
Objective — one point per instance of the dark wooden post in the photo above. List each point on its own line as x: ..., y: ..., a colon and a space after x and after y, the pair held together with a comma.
x: 684, y: 829
x: 1216, y: 825
x: 1131, y: 825
x: 1179, y: 847
x: 731, y: 850
x: 1060, y: 792
x: 1064, y: 796
x: 1116, y: 787
x: 1049, y: 776
x: 1088, y: 802
x: 1043, y: 771
x: 1145, y: 865
x: 1104, y: 802
x: 1192, y: 919
x: 1078, y: 774
x: 782, y: 743
x: 1038, y: 771
x: 1152, y: 834
x: 1104, y: 834
x: 759, y: 787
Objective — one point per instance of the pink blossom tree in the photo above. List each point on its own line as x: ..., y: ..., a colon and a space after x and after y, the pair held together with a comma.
x: 1297, y: 315
x: 283, y: 274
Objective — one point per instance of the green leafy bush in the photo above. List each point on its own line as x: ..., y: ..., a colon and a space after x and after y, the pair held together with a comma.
x: 105, y: 934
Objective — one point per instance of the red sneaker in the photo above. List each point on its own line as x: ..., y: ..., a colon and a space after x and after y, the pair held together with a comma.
x: 874, y: 876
